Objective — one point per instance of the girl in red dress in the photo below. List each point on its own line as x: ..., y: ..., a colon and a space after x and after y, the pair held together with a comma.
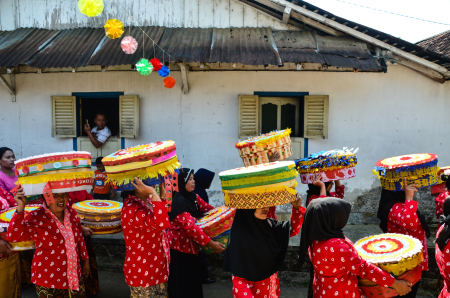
x: 336, y: 262
x: 144, y: 221
x: 257, y: 249
x: 442, y: 251
x: 398, y: 213
x: 57, y: 234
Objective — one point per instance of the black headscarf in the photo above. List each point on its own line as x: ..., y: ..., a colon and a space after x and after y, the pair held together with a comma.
x: 387, y: 201
x: 183, y: 200
x: 444, y: 220
x: 324, y: 219
x: 315, y: 191
x: 256, y: 248
x: 203, y: 179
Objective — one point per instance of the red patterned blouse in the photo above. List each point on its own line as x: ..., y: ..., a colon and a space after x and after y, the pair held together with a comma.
x: 337, y: 266
x: 147, y: 251
x: 338, y: 194
x: 403, y: 219
x: 184, y: 235
x: 49, y: 268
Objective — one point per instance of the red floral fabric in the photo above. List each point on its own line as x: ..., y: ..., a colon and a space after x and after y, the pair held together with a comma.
x: 340, y: 191
x: 337, y: 266
x: 146, y: 259
x: 184, y: 235
x: 443, y: 262
x: 78, y: 196
x: 272, y: 213
x: 403, y: 219
x: 49, y: 268
x: 439, y: 200
x: 269, y: 287
x: 6, y: 200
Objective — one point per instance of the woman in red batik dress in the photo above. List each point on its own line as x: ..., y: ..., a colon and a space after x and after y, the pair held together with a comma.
x: 185, y: 237
x: 257, y: 249
x: 144, y: 221
x: 398, y: 213
x: 56, y: 231
x: 336, y: 262
x: 442, y: 251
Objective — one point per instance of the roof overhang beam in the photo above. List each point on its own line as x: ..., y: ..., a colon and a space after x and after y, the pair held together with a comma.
x: 10, y: 87
x: 369, y: 39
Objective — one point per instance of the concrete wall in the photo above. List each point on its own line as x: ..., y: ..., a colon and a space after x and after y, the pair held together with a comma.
x: 384, y: 115
x: 64, y: 14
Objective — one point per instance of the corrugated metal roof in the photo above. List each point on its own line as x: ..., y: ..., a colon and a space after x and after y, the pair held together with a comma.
x: 298, y: 47
x: 109, y: 51
x: 71, y: 48
x: 17, y: 46
x: 250, y: 46
x: 186, y: 44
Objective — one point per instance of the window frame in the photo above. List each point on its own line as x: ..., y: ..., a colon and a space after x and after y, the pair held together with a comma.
x: 280, y: 101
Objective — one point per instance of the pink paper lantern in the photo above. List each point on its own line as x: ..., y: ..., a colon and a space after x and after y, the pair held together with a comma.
x: 129, y: 44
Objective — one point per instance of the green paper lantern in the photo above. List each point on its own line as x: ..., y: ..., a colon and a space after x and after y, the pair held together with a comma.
x: 144, y: 67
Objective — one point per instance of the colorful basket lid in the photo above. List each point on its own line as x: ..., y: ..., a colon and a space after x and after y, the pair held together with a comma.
x: 395, y: 253
x: 258, y: 150
x: 55, y: 173
x: 259, y: 186
x: 440, y: 187
x: 338, y: 164
x: 420, y: 169
x: 149, y: 162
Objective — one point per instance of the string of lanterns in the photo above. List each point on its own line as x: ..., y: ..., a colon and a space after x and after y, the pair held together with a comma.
x: 114, y: 29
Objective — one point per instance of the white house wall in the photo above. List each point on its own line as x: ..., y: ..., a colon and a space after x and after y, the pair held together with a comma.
x: 384, y: 115
x: 64, y: 14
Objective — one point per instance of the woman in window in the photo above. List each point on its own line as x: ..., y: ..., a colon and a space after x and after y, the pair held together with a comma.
x: 8, y: 176
x: 60, y: 260
x: 398, y: 213
x: 257, y: 249
x: 337, y: 264
x: 185, y: 237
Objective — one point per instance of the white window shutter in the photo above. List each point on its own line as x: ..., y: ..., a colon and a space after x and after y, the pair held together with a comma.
x: 316, y: 116
x: 64, y: 123
x: 248, y: 115
x: 129, y: 116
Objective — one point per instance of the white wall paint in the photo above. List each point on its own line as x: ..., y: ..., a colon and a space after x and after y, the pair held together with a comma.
x: 64, y: 14
x: 384, y: 114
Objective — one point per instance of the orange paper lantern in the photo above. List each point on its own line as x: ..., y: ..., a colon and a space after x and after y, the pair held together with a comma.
x: 114, y: 28
x: 169, y: 82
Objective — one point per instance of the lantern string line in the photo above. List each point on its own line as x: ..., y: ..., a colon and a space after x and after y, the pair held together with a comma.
x: 155, y: 43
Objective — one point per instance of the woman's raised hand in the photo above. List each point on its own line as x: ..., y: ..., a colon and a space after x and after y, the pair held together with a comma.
x: 216, y: 246
x: 317, y: 180
x: 410, y: 190
x: 402, y: 287
x: 298, y: 201
x: 5, y: 247
x: 145, y: 191
x: 20, y: 199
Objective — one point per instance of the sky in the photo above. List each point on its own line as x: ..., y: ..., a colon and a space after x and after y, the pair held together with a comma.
x: 408, y: 29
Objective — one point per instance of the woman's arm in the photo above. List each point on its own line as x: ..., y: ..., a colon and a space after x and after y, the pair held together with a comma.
x: 339, y: 190
x: 188, y: 224
x: 439, y: 200
x: 203, y: 206
x: 18, y: 230
x: 297, y: 216
x: 405, y: 215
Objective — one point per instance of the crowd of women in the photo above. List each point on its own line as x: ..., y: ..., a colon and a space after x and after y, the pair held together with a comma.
x: 162, y: 248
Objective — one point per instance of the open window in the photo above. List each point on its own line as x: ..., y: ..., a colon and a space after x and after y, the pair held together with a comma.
x: 306, y: 115
x: 70, y: 114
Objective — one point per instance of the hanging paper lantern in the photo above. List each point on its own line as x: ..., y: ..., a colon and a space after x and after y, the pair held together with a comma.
x: 156, y: 64
x: 114, y: 28
x: 91, y: 8
x: 164, y: 71
x: 144, y: 67
x: 169, y: 82
x: 129, y: 44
